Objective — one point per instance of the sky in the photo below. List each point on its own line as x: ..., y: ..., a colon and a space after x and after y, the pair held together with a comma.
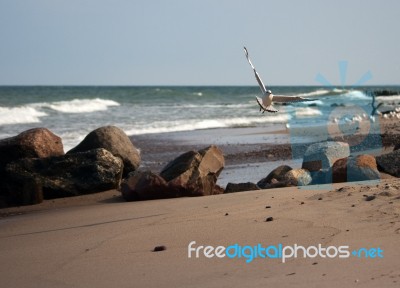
x: 184, y: 42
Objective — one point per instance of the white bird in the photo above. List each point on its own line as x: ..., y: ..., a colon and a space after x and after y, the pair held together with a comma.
x: 266, y: 101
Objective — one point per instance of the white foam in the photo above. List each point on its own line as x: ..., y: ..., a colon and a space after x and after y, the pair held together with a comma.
x: 307, y: 111
x: 20, y: 115
x: 315, y: 93
x: 355, y: 94
x: 81, y: 105
x: 196, y: 124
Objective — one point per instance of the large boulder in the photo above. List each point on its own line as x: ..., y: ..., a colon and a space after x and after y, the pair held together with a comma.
x: 298, y: 177
x: 33, y: 143
x: 240, y: 187
x: 114, y: 140
x: 360, y: 168
x: 320, y: 156
x: 389, y: 163
x: 68, y: 175
x: 145, y: 185
x: 276, y: 175
x: 194, y: 173
x: 19, y: 190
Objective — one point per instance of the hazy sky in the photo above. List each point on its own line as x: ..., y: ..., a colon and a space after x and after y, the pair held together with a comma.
x: 183, y: 42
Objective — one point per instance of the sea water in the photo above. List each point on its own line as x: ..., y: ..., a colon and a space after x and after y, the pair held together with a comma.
x: 72, y: 112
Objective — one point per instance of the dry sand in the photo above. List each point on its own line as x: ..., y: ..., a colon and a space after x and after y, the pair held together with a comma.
x: 101, y: 241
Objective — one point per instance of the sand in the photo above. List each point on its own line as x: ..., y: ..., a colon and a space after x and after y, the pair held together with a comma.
x: 101, y: 241
x: 110, y: 243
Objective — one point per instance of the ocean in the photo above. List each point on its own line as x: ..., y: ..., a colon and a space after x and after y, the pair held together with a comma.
x: 72, y: 112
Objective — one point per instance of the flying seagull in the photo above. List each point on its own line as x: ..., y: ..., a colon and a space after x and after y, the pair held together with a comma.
x: 266, y: 101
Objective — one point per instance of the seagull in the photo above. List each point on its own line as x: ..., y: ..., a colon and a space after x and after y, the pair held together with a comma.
x: 266, y: 102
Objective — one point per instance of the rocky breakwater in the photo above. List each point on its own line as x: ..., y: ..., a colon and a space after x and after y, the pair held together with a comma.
x: 34, y: 166
x: 324, y: 163
x: 193, y: 173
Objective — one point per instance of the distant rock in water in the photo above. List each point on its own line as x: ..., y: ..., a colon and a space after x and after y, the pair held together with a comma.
x: 385, y: 92
x: 63, y: 176
x: 114, y: 140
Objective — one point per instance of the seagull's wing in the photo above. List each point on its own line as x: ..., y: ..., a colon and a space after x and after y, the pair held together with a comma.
x: 264, y: 108
x: 260, y: 83
x: 280, y: 98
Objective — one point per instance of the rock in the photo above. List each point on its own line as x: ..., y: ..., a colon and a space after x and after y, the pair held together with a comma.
x: 322, y: 155
x: 114, y: 140
x: 144, y: 185
x: 298, y: 177
x: 33, y: 143
x: 160, y: 248
x: 351, y: 169
x: 389, y: 163
x: 323, y: 176
x: 277, y: 174
x: 370, y: 198
x: 194, y: 173
x: 19, y: 190
x: 240, y: 187
x: 68, y: 175
x: 36, y: 143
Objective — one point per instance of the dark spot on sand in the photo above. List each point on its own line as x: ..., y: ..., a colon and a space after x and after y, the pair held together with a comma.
x: 159, y: 248
x: 353, y: 205
x: 301, y: 203
x: 315, y: 263
x: 290, y: 274
x: 267, y: 207
x: 320, y: 198
x: 226, y: 214
x: 370, y: 198
x: 385, y: 193
x: 269, y: 219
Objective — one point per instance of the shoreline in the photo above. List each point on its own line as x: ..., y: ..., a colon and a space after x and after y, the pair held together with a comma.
x: 252, y: 152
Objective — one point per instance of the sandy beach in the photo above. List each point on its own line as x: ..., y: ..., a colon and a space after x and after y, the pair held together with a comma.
x: 100, y: 240
x: 109, y: 242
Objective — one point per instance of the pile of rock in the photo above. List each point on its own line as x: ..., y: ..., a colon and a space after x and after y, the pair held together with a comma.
x: 33, y: 165
x: 193, y: 173
x: 324, y: 163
